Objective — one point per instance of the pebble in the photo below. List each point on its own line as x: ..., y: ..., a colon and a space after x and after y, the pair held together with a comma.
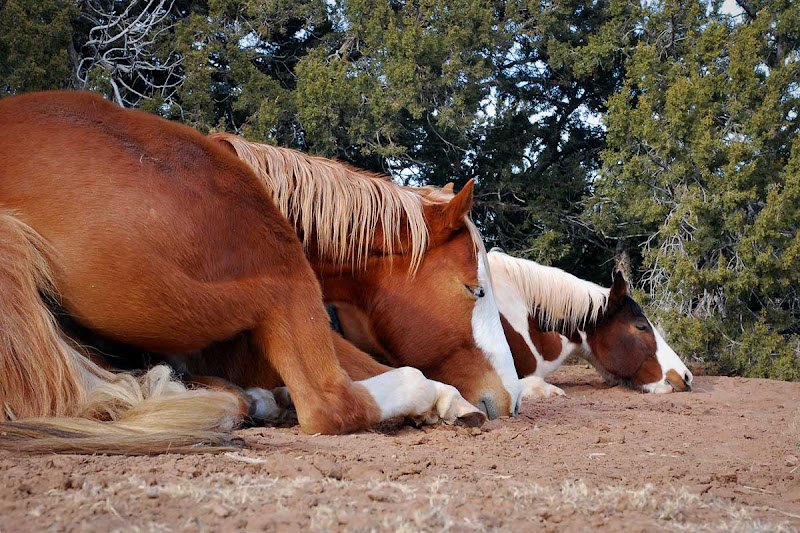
x: 221, y: 511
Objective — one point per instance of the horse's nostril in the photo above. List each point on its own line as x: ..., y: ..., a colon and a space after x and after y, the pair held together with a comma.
x: 679, y: 382
x: 687, y: 380
x: 487, y: 406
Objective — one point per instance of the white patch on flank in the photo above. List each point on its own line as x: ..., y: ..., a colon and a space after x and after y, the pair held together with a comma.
x: 488, y: 333
x: 668, y: 360
x: 406, y: 391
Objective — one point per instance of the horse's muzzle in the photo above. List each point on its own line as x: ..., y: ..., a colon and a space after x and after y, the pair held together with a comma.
x: 680, y: 383
x: 486, y: 404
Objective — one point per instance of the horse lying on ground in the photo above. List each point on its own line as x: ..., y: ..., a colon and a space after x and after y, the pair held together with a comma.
x: 412, y: 267
x: 605, y: 327
x: 153, y: 236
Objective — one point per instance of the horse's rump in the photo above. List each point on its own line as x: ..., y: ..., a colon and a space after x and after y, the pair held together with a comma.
x: 145, y: 232
x: 43, y: 375
x: 148, y: 213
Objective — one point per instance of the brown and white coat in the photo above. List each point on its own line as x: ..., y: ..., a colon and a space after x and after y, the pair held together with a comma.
x: 549, y: 315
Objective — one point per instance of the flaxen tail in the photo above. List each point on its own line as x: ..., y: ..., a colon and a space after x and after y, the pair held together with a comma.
x: 54, y: 399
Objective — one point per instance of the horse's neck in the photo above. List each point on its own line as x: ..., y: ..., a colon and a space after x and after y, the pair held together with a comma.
x: 536, y: 352
x: 340, y: 283
x: 572, y: 342
x: 342, y: 215
x: 561, y: 299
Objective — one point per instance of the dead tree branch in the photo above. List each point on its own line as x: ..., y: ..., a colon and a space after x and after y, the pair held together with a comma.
x: 122, y: 51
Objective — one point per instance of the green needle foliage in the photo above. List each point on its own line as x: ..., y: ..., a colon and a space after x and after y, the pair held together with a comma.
x: 703, y: 168
x: 35, y: 44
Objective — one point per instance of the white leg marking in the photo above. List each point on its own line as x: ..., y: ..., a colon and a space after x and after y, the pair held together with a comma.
x: 536, y: 387
x: 406, y: 391
x: 488, y: 333
x: 266, y: 408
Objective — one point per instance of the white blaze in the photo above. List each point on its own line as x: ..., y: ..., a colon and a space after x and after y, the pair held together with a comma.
x: 489, y: 337
x: 668, y: 360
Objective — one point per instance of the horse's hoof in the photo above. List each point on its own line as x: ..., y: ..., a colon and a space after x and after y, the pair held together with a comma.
x: 472, y: 420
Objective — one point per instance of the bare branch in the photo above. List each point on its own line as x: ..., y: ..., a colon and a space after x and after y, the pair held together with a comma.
x: 121, y: 51
x: 747, y: 9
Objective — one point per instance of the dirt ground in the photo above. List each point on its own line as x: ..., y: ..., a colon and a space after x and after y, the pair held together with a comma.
x: 724, y: 458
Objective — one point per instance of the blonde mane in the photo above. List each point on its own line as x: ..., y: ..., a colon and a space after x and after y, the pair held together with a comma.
x: 561, y: 300
x: 338, y: 206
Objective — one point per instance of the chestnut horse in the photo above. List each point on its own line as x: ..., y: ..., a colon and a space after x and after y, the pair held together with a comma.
x: 411, y: 268
x: 605, y: 327
x: 151, y: 235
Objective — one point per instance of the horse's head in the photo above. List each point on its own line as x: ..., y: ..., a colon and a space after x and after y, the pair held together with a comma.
x: 438, y: 315
x: 626, y: 347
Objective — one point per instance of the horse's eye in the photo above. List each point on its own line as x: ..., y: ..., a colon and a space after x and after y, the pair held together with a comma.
x: 641, y: 328
x: 477, y: 291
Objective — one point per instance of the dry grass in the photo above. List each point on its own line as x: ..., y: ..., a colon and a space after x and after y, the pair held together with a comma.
x: 421, y: 505
x: 577, y: 496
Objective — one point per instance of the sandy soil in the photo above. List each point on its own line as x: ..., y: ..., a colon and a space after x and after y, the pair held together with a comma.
x: 723, y: 458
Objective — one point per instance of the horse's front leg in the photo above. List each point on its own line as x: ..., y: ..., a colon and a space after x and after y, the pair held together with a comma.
x: 295, y: 338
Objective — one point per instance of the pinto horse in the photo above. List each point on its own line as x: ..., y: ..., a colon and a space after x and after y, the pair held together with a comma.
x: 411, y: 268
x: 604, y: 326
x: 151, y: 235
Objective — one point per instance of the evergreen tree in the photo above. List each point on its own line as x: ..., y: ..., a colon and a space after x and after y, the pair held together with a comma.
x: 239, y: 63
x: 702, y: 169
x: 35, y: 45
x: 443, y: 91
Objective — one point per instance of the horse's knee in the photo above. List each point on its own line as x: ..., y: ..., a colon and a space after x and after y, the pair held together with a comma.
x: 347, y: 407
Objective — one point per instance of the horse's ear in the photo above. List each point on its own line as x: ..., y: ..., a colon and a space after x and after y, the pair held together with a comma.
x: 448, y: 188
x: 221, y: 140
x: 619, y: 290
x: 459, y: 206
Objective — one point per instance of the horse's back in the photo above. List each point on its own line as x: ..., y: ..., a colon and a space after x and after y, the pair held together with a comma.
x: 78, y: 143
x: 142, y: 213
